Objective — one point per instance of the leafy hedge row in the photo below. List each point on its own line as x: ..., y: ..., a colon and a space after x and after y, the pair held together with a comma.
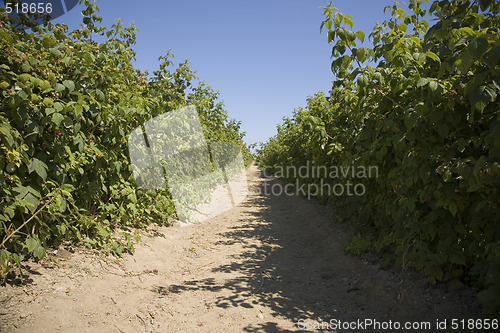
x: 428, y: 115
x: 67, y: 105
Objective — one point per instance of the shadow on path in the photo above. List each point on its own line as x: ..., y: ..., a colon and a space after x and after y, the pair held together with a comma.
x: 293, y: 263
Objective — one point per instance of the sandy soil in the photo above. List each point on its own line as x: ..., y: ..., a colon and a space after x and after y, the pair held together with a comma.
x: 260, y: 267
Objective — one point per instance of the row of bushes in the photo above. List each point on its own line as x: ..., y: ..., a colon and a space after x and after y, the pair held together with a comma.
x: 67, y: 105
x: 422, y: 105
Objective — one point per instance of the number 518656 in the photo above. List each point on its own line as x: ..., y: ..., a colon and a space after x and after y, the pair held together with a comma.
x: 470, y: 324
x: 26, y: 8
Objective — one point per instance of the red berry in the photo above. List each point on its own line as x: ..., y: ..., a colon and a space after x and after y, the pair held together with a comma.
x: 16, y: 61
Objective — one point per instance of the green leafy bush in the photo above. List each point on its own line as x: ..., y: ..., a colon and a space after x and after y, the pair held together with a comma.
x: 67, y: 105
x: 422, y: 105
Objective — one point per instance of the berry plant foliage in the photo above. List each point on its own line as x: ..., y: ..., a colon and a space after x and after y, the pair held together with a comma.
x: 67, y: 105
x: 421, y: 104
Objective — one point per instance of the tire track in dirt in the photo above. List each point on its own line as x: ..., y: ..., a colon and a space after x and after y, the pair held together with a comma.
x: 259, y: 267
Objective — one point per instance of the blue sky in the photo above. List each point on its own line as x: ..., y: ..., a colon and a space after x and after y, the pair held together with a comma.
x: 264, y: 57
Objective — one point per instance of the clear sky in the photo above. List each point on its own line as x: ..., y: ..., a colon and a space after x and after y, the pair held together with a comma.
x: 263, y: 56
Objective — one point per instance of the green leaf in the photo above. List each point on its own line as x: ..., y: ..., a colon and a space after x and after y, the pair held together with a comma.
x: 443, y: 130
x: 69, y: 84
x: 5, y: 130
x: 62, y: 229
x: 342, y: 33
x: 60, y: 87
x: 17, y: 258
x: 39, y: 252
x: 433, y: 85
x: 61, y: 204
x: 419, y: 56
x: 379, y: 77
x: 99, y: 95
x: 492, y: 57
x: 11, y: 167
x: 455, y: 284
x: 24, y: 77
x: 66, y: 189
x: 484, y: 4
x: 411, y: 120
x: 362, y: 55
x: 459, y: 227
x: 348, y: 21
x: 26, y: 67
x: 477, y: 47
x: 481, y: 96
x: 48, y: 102
x: 66, y: 60
x: 58, y: 106
x: 55, y: 52
x: 362, y: 80
x: 480, y: 205
x: 434, y: 273
x: 487, y: 93
x: 31, y: 243
x: 67, y: 122
x: 457, y: 258
x: 44, y: 85
x: 447, y: 175
x: 361, y: 35
x: 328, y: 24
x: 433, y: 56
x: 464, y: 62
x: 88, y: 58
x: 29, y: 202
x: 39, y: 167
x: 480, y: 106
x: 464, y: 171
x: 452, y: 207
x: 78, y: 109
x: 23, y: 191
x: 331, y: 36
x: 422, y: 82
x: 351, y: 35
x: 57, y: 118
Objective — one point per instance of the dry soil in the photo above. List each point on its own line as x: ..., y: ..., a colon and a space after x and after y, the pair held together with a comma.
x: 272, y: 264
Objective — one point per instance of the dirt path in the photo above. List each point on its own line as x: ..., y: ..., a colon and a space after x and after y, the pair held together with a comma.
x: 259, y: 267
